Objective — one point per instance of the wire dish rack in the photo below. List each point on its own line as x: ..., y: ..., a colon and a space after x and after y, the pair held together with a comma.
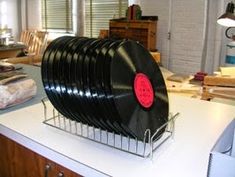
x: 144, y: 148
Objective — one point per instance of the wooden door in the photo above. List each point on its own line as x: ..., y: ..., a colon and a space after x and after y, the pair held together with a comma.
x: 18, y: 161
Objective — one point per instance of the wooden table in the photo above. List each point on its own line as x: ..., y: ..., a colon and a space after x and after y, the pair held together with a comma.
x: 12, y: 50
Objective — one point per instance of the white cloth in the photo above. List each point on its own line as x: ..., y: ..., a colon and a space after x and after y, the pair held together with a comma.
x: 17, y: 92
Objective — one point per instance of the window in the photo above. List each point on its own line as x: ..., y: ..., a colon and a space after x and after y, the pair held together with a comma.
x: 99, y: 12
x: 57, y: 15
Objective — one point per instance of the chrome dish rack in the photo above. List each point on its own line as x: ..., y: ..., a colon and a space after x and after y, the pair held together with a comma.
x: 144, y: 148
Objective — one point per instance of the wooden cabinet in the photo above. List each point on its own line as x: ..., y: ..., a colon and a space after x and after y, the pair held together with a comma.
x: 144, y: 31
x: 18, y: 161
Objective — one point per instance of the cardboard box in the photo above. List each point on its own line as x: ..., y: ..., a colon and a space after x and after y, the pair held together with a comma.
x: 222, y: 156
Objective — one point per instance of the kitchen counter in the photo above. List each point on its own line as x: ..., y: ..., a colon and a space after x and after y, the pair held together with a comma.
x: 11, y: 50
x: 197, y: 128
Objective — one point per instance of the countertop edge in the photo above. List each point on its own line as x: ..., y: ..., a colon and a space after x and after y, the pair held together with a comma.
x: 46, y: 152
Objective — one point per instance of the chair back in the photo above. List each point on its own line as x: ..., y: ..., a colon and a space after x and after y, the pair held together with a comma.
x: 38, y: 43
x: 26, y: 36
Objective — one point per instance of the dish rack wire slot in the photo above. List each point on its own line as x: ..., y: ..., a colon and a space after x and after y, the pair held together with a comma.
x: 151, y: 142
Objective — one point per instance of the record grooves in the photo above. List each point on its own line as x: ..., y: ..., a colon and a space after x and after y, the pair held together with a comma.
x: 114, y: 85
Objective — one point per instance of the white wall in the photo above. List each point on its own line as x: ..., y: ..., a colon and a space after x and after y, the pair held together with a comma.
x: 214, y: 37
x: 12, y: 14
x: 9, y: 15
x: 186, y: 46
x: 184, y: 19
x: 160, y: 8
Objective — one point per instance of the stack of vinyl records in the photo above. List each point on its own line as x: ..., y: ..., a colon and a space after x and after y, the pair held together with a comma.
x: 112, y: 85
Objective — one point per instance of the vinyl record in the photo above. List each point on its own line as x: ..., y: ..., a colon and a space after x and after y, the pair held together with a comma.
x: 73, y: 102
x: 91, y: 56
x: 95, y: 114
x: 77, y: 81
x: 102, y: 95
x: 47, y: 71
x: 85, y: 95
x: 112, y: 85
x: 55, y: 81
x: 102, y: 100
x: 64, y: 67
x: 139, y: 89
x: 114, y: 119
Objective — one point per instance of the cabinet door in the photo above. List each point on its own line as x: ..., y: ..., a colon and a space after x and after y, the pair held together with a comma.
x: 18, y: 161
x: 57, y: 170
x: 66, y: 172
x: 143, y: 31
x: 5, y: 169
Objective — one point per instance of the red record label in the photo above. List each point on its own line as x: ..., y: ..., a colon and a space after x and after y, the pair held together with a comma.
x: 143, y: 90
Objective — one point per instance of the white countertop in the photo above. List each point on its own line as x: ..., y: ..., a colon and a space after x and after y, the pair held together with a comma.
x: 198, y: 126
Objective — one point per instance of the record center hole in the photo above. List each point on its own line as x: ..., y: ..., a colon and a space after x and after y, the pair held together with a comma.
x: 143, y: 90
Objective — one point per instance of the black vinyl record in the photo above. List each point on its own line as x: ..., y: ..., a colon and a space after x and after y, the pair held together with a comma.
x: 139, y: 90
x: 72, y: 99
x: 56, y: 83
x: 47, y: 72
x: 89, y: 100
x: 76, y: 81
x: 112, y: 85
x: 93, y: 78
x: 91, y: 57
x: 102, y: 100
x: 114, y: 118
x: 63, y: 70
x: 86, y: 95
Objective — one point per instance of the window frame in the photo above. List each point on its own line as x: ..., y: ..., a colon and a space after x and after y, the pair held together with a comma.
x: 70, y: 29
x: 88, y: 31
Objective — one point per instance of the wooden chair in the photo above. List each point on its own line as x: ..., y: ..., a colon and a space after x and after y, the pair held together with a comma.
x: 26, y: 36
x: 37, y: 42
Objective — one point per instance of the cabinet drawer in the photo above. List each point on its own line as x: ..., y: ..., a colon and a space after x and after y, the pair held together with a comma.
x: 18, y: 161
x: 143, y: 31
